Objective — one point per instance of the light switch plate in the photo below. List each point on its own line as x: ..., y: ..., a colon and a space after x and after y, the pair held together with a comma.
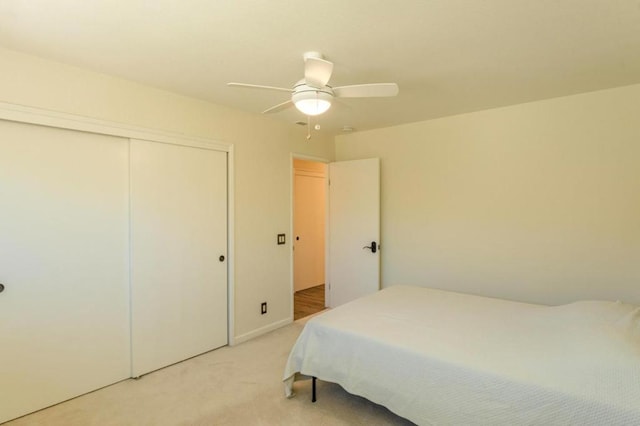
x: 281, y: 239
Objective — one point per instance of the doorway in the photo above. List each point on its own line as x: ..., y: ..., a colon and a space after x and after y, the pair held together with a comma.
x: 309, y: 230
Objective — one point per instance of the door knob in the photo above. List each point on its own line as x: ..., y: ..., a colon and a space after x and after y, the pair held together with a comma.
x: 221, y: 258
x: 373, y: 247
x: 1, y: 287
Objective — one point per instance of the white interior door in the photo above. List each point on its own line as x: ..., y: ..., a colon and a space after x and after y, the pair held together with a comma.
x: 178, y: 233
x: 354, y: 223
x: 309, y: 229
x: 64, y: 311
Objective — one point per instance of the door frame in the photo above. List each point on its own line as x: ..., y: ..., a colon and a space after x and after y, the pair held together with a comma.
x: 299, y: 156
x: 62, y: 120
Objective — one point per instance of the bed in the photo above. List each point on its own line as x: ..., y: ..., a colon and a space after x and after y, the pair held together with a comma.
x: 437, y: 357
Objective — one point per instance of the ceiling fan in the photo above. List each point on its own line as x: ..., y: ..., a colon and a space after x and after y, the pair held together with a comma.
x: 313, y: 96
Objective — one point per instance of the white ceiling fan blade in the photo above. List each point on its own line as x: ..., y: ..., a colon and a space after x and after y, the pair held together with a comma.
x: 257, y: 86
x: 317, y: 72
x: 279, y: 107
x: 366, y: 90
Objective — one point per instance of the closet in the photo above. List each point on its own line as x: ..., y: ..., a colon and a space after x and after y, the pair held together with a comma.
x: 112, y: 260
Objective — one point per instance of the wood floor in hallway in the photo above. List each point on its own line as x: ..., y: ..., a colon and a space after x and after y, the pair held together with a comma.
x: 308, y: 301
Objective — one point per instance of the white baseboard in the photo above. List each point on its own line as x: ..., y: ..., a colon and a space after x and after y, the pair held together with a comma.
x: 260, y: 331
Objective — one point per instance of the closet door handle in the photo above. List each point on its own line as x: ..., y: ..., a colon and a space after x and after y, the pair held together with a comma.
x: 373, y: 247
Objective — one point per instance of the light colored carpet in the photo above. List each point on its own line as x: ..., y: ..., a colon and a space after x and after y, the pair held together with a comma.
x: 240, y: 385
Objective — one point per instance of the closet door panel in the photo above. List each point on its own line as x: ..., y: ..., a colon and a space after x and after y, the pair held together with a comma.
x: 64, y: 312
x: 178, y: 233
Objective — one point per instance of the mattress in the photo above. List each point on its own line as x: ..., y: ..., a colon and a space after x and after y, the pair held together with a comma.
x: 437, y: 357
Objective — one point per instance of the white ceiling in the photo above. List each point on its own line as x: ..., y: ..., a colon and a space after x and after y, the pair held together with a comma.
x: 447, y: 56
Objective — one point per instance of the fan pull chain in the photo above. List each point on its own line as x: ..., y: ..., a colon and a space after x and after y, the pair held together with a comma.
x: 308, y: 127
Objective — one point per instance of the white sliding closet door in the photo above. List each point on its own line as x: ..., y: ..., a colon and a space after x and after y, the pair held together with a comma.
x: 64, y: 311
x: 178, y: 233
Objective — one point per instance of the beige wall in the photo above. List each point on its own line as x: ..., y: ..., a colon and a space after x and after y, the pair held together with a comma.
x: 262, y: 163
x: 537, y: 202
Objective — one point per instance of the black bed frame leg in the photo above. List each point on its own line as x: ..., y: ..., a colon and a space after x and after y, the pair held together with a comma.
x: 313, y: 389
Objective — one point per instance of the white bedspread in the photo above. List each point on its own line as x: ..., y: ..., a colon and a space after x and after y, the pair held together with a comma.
x: 437, y: 357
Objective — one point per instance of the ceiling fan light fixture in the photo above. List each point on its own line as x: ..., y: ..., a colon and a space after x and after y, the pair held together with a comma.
x: 312, y: 102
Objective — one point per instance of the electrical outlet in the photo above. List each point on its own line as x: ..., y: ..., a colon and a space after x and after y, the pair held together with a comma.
x: 263, y: 308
